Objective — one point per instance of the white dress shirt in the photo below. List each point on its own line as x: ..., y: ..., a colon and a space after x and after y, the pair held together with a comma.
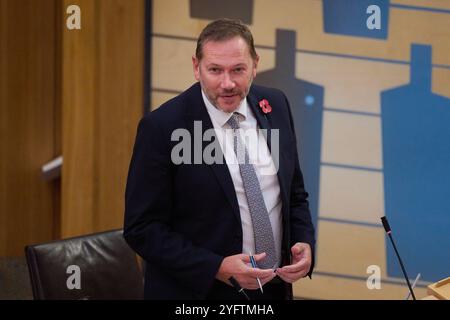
x: 259, y: 156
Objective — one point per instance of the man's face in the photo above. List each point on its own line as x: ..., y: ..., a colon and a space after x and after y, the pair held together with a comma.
x: 225, y: 72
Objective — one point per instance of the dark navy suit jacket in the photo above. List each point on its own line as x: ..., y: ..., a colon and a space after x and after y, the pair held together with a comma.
x: 183, y: 219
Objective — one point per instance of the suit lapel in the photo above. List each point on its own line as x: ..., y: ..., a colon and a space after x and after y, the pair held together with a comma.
x: 270, y: 121
x: 196, y: 111
x: 263, y: 120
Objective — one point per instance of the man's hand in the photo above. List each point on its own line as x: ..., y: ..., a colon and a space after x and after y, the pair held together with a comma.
x: 301, y: 263
x: 238, y: 267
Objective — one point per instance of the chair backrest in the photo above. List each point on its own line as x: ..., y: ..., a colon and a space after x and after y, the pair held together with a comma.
x: 94, y: 266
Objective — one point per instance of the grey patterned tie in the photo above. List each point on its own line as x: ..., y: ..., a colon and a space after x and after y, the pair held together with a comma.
x: 262, y: 228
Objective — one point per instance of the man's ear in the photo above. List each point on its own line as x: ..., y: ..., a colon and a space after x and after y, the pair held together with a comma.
x: 195, y: 67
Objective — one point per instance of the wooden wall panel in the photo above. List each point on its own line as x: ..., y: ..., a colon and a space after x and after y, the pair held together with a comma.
x: 102, y: 103
x: 78, y: 93
x: 27, y: 122
x: 79, y: 72
x: 121, y: 41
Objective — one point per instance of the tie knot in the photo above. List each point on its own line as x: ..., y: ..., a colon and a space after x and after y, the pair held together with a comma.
x: 233, y: 122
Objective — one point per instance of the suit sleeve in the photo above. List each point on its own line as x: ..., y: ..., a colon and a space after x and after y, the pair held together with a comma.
x: 148, y: 207
x: 301, y: 227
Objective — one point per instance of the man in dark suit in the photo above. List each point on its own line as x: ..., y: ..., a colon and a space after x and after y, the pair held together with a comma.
x: 197, y: 208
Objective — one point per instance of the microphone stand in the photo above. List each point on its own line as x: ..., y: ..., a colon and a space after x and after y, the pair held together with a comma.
x: 387, y: 228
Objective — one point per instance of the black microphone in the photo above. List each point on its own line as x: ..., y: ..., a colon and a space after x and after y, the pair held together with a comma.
x: 387, y: 228
x: 238, y: 287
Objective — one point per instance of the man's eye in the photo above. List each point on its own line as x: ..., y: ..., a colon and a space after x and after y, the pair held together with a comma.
x: 214, y: 70
x: 238, y: 70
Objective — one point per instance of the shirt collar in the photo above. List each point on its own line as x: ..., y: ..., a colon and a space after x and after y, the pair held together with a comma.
x: 221, y: 117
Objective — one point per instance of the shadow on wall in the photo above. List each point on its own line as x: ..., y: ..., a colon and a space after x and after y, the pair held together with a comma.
x: 236, y: 9
x: 416, y: 154
x: 306, y: 101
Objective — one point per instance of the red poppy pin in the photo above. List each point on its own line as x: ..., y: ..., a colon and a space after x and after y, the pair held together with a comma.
x: 265, y: 106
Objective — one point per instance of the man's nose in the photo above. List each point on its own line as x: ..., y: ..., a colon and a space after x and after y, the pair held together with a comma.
x: 227, y: 83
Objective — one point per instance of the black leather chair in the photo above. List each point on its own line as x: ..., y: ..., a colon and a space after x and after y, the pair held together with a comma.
x: 104, y: 264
